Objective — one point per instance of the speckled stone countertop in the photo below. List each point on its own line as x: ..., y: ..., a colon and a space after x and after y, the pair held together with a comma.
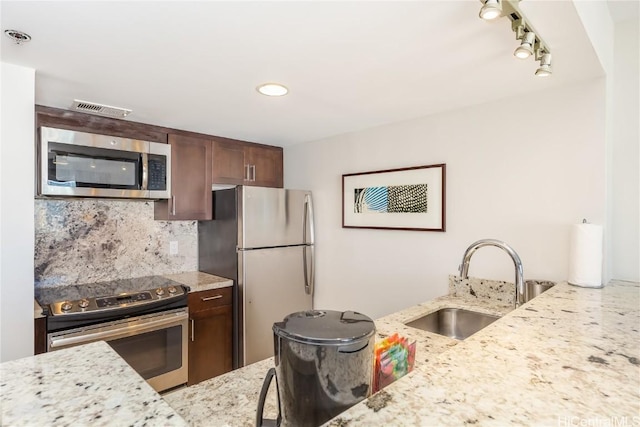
x: 37, y: 310
x: 231, y: 399
x: 79, y: 386
x: 569, y: 357
x: 199, y: 281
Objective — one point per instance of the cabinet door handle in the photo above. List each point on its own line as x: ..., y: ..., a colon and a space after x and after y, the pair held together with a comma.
x: 253, y: 172
x: 246, y: 173
x: 203, y: 299
x: 193, y: 329
x: 173, y: 205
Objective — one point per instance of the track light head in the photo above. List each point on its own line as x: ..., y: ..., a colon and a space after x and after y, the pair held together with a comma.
x: 531, y: 43
x: 491, y: 9
x: 525, y: 49
x: 545, y: 66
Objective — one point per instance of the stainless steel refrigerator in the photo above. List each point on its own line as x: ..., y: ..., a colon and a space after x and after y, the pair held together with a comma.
x: 263, y: 239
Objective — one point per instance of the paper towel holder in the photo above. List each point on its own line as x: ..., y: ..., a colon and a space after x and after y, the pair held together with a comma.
x: 585, y: 255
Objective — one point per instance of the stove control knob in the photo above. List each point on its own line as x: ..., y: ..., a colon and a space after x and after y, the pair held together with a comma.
x: 83, y: 303
x: 159, y: 291
x: 172, y: 289
x: 66, y: 306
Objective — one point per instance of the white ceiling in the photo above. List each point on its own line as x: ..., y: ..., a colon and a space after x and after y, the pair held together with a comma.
x: 624, y: 10
x: 349, y: 65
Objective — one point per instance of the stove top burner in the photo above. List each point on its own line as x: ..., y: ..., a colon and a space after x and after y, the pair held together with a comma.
x: 115, y: 302
x: 79, y: 305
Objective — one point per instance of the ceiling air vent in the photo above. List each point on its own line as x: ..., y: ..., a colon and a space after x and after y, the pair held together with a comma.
x: 100, y: 109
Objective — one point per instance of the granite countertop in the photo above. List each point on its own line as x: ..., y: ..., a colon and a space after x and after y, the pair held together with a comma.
x: 37, y: 310
x: 85, y: 385
x: 231, y: 399
x: 199, y: 281
x: 570, y: 356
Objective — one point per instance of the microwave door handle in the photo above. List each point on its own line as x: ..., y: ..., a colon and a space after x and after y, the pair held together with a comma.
x: 145, y: 171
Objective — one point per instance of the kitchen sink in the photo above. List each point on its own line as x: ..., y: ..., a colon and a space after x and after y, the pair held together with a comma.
x: 453, y: 322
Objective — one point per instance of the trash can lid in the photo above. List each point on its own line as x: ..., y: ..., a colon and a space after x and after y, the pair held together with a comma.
x: 327, y: 327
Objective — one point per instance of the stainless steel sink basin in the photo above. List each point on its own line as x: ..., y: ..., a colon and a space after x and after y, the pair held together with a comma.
x: 453, y: 322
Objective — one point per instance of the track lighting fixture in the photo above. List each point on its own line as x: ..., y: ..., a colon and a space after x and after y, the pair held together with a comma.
x: 545, y: 66
x: 491, y: 9
x: 531, y: 43
x: 525, y: 49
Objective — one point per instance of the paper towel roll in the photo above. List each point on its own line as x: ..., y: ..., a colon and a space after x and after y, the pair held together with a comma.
x: 585, y: 255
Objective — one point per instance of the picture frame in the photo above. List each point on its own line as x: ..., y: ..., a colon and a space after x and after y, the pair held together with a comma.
x: 412, y: 198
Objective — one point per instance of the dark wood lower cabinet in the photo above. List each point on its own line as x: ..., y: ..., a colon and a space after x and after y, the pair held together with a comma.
x: 40, y: 335
x: 210, y: 334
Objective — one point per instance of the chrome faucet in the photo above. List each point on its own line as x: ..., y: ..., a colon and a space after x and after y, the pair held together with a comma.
x: 464, y: 267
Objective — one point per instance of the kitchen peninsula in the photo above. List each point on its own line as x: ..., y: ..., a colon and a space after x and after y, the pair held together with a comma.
x: 570, y: 355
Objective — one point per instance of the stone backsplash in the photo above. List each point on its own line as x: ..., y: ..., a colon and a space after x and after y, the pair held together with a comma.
x: 495, y: 290
x: 88, y: 240
x: 492, y: 290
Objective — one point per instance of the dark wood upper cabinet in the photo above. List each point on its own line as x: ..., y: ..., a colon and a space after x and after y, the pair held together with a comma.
x: 265, y: 165
x: 228, y: 162
x: 74, y: 120
x: 197, y: 160
x: 245, y: 163
x: 190, y: 180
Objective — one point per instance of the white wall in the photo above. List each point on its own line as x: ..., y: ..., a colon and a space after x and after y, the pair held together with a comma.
x: 625, y: 186
x: 17, y: 160
x: 600, y: 29
x: 521, y: 170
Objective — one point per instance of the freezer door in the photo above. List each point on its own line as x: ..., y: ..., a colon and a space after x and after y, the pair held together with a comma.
x: 274, y: 217
x: 273, y: 286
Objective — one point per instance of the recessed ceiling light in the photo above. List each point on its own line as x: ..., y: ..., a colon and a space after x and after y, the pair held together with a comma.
x: 272, y: 89
x: 17, y: 36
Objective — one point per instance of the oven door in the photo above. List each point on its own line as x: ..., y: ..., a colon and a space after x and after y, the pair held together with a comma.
x: 155, y: 345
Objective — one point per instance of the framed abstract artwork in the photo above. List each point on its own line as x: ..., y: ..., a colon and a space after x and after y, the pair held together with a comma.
x: 398, y: 199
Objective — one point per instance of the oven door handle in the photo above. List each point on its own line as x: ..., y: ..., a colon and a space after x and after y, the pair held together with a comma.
x: 119, y: 332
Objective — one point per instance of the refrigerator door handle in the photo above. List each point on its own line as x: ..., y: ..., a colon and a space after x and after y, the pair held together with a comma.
x: 309, y: 272
x: 308, y: 221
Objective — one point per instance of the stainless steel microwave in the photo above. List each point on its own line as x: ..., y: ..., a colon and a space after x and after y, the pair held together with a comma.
x: 90, y: 165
